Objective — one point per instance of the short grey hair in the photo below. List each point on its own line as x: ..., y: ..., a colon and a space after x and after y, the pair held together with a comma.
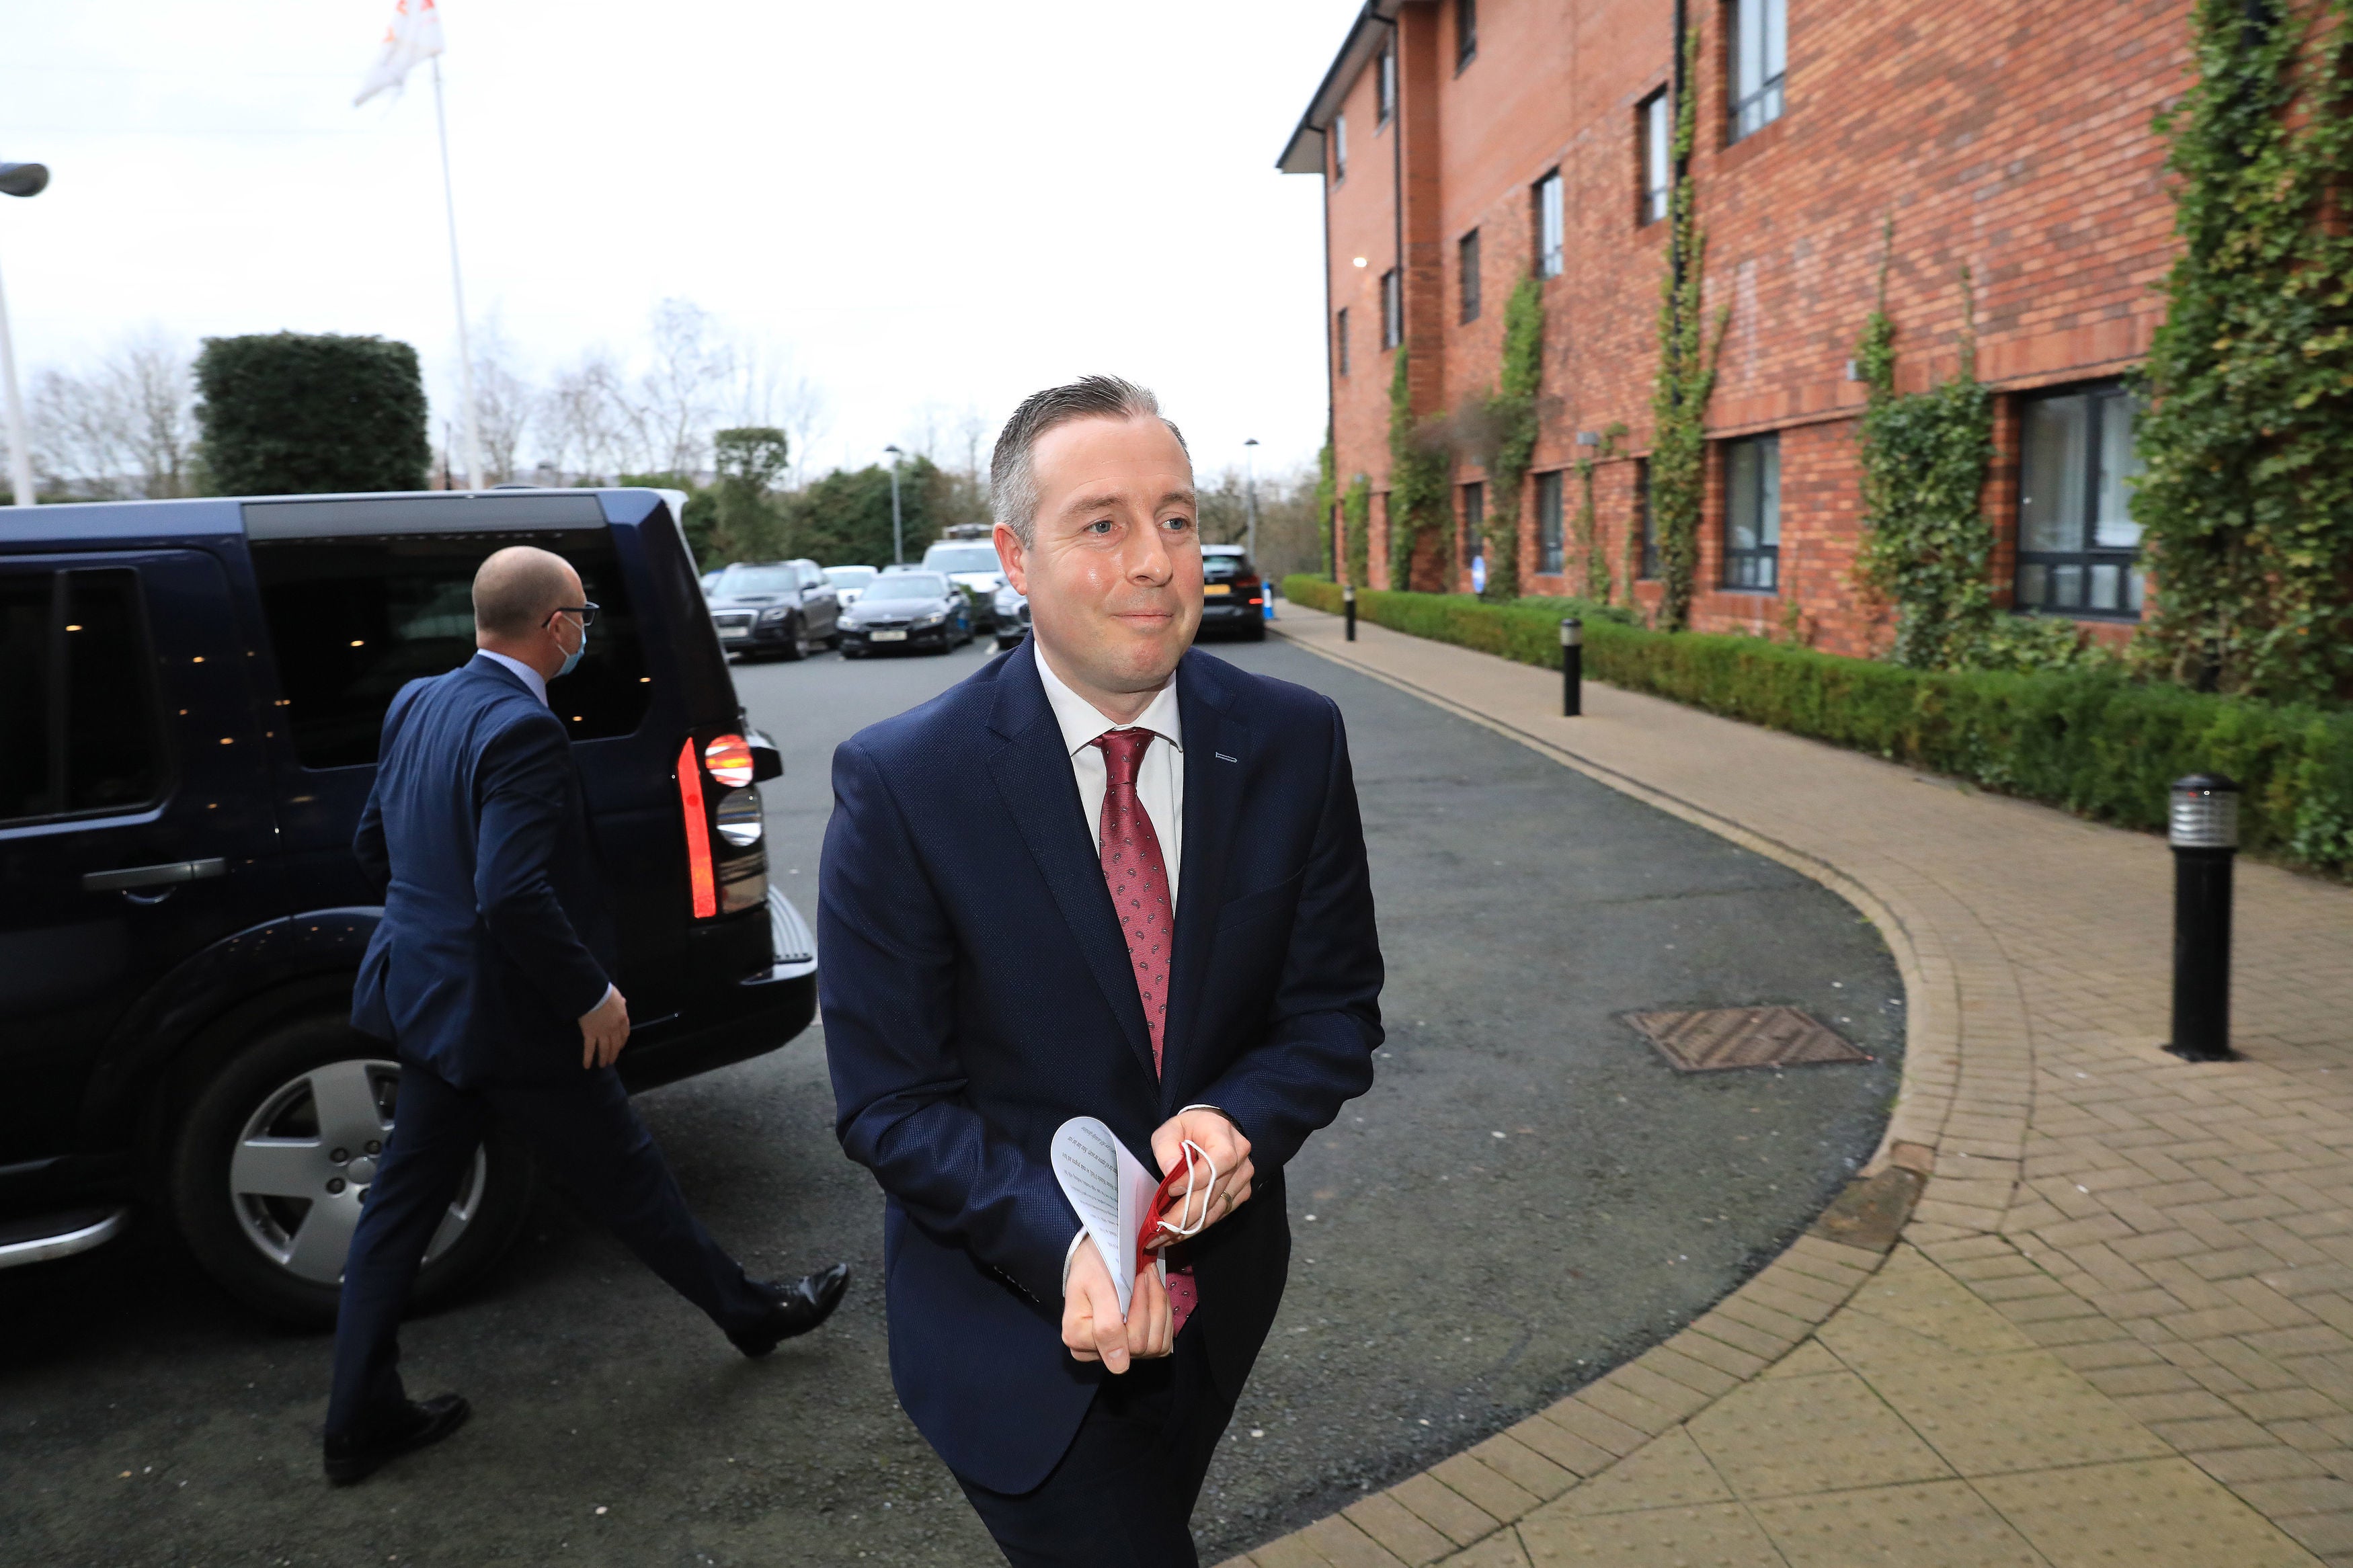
x: 1013, y: 481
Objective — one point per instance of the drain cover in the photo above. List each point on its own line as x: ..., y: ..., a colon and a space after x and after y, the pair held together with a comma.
x: 1719, y: 1039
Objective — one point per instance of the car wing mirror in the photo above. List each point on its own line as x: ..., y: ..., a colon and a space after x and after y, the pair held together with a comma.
x: 767, y: 763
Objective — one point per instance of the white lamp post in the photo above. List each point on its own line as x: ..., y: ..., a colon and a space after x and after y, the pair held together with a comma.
x: 17, y: 180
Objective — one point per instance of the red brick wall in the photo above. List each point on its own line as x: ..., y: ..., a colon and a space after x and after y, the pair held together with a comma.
x: 2010, y: 135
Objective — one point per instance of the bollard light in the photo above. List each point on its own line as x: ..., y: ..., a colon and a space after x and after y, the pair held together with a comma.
x: 2202, y: 828
x: 1572, y: 666
x: 1348, y: 608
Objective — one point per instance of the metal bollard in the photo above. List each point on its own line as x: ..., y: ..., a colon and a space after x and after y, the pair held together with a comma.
x: 2204, y: 829
x: 1572, y: 666
x: 1348, y: 608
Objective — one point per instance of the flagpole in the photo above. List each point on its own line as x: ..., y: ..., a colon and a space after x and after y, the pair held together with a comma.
x: 458, y: 288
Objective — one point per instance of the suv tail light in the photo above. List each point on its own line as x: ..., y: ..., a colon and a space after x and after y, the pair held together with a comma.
x: 730, y: 874
x: 701, y: 880
x: 728, y: 758
x: 1254, y: 588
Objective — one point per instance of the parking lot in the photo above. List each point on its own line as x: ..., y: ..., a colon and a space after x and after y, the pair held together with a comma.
x: 1527, y: 1195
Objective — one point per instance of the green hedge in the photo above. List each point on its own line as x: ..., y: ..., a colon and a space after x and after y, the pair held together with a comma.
x: 2093, y: 742
x: 312, y: 414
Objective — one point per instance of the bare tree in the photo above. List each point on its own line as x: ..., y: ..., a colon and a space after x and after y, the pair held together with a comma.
x: 683, y: 389
x: 127, y: 428
x: 503, y: 402
x: 590, y: 419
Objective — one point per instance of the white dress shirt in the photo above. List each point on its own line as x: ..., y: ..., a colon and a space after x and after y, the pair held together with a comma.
x: 1159, y: 777
x: 1159, y: 785
x: 538, y: 684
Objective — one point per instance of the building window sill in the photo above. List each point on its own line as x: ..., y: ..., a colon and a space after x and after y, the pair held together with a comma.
x: 1753, y: 145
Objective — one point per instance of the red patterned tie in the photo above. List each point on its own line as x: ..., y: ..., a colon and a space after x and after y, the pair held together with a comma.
x: 1137, y: 877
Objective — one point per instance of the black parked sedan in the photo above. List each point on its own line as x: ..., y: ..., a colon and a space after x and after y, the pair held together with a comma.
x: 906, y: 610
x: 1233, y: 595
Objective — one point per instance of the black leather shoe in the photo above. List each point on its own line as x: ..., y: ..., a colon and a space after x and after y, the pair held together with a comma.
x: 352, y: 1459
x: 801, y: 1307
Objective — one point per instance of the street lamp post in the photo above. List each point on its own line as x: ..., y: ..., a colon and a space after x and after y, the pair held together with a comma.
x: 1250, y: 494
x: 897, y: 533
x: 17, y: 180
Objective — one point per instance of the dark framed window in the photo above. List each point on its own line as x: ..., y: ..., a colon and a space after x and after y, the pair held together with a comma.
x: 1466, y: 256
x: 1752, y: 513
x: 1466, y: 32
x: 1551, y: 226
x: 1646, y: 519
x: 1340, y: 338
x: 1385, y: 87
x: 1392, y: 308
x: 80, y: 727
x: 1654, y: 139
x: 1760, y: 51
x: 1475, y: 521
x: 2078, y: 546
x: 1551, y: 547
x: 1339, y: 148
x: 353, y: 620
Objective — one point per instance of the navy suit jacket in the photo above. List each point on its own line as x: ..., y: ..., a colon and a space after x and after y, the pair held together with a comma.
x: 977, y: 993
x: 496, y: 934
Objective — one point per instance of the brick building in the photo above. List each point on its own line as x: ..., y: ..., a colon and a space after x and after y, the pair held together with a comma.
x: 1465, y: 143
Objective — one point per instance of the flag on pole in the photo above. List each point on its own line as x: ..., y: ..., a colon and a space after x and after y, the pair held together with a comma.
x: 414, y: 37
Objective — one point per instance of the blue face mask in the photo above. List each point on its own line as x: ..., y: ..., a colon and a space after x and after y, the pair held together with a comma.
x: 572, y: 659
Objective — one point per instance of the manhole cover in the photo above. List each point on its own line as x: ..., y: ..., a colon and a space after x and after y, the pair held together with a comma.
x: 1719, y: 1039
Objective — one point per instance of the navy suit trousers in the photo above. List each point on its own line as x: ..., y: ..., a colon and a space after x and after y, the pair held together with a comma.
x: 584, y: 1133
x: 1122, y: 1496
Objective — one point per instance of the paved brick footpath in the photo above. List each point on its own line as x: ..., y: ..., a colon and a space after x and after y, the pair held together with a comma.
x: 2117, y: 1326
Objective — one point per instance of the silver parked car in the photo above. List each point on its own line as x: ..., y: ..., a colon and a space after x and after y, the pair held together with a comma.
x: 848, y: 581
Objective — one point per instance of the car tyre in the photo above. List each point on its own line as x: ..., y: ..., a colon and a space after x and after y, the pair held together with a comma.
x: 1255, y: 632
x: 264, y: 1084
x: 792, y: 649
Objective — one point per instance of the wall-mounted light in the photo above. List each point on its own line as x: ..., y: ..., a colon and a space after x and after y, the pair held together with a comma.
x: 1589, y: 437
x: 1360, y: 261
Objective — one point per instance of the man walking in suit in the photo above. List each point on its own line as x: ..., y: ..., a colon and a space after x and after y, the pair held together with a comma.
x: 492, y: 972
x: 1105, y: 876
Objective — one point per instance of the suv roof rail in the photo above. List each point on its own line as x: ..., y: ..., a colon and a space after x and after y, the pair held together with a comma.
x: 446, y: 512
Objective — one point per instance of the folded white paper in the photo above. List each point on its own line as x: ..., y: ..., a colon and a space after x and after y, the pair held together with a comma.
x: 1112, y: 1191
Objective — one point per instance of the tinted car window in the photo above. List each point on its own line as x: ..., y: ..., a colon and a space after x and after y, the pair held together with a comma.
x: 78, y: 725
x: 961, y: 558
x: 850, y: 576
x: 1223, y: 568
x: 353, y: 620
x: 759, y: 580
x: 906, y: 585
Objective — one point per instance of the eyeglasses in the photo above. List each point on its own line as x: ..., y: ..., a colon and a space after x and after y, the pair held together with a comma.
x: 587, y: 613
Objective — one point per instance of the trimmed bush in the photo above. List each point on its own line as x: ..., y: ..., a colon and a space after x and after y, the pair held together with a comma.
x: 2092, y: 741
x: 301, y: 413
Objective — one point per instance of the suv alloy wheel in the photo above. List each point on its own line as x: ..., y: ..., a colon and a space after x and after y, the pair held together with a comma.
x: 277, y: 1154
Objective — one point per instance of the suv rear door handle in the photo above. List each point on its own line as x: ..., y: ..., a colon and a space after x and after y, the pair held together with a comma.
x: 169, y: 874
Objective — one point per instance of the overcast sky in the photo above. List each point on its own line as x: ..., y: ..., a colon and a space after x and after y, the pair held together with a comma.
x: 928, y: 207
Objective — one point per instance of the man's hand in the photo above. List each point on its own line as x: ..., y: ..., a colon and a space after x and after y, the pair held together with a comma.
x: 1091, y: 1328
x: 1223, y: 1143
x: 604, y: 1030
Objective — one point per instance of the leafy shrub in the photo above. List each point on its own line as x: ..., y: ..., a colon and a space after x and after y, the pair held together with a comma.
x: 303, y: 414
x: 2086, y: 739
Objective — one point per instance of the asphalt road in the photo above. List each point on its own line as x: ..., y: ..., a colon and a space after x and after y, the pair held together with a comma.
x: 1527, y: 1196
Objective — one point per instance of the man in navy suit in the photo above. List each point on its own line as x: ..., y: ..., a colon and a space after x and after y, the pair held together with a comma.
x: 1105, y: 876
x: 491, y: 973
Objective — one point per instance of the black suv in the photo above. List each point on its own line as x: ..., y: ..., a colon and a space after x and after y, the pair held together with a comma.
x: 780, y: 607
x: 190, y: 699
